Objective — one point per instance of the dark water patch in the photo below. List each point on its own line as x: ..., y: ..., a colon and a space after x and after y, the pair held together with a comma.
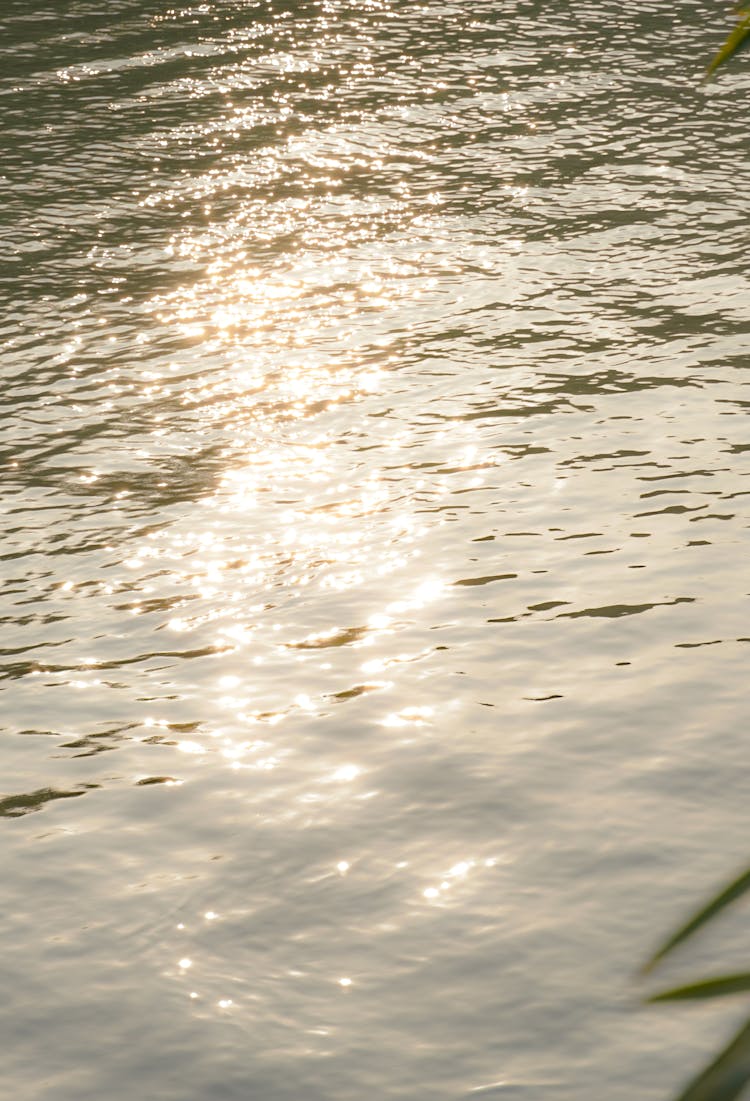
x: 487, y: 580
x: 615, y: 611
x: 15, y: 806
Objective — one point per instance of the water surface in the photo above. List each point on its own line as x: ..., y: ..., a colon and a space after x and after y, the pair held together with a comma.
x: 375, y: 593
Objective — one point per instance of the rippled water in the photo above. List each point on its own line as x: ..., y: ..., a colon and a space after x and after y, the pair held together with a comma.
x: 375, y: 589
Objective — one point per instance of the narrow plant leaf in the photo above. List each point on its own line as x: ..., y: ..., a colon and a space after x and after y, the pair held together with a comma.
x: 734, y: 891
x: 725, y: 1078
x: 736, y: 40
x: 709, y: 988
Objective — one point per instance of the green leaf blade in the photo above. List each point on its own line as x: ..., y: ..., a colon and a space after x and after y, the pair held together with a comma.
x: 736, y: 40
x: 735, y: 890
x: 726, y: 1078
x: 709, y: 988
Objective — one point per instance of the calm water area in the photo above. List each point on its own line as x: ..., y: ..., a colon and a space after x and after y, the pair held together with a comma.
x: 375, y: 579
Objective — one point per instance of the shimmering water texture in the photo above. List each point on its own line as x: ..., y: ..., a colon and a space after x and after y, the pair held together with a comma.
x: 375, y: 488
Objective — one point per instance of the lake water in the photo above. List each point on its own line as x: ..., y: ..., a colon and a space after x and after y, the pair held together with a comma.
x: 375, y: 494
